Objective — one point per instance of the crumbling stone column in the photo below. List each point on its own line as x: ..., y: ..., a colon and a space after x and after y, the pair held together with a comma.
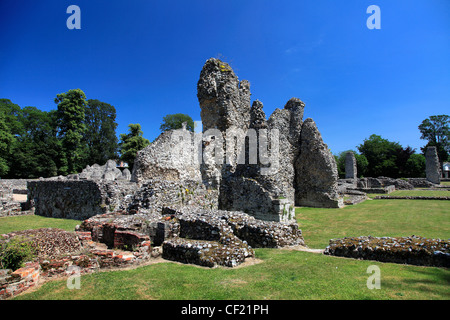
x: 350, y: 166
x: 432, y: 165
x: 316, y: 171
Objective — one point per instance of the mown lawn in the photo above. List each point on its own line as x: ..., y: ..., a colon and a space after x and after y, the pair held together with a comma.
x: 391, y: 218
x: 18, y: 223
x: 281, y: 273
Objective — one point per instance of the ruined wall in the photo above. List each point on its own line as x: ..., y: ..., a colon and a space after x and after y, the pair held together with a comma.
x: 173, y: 156
x: 155, y: 194
x: 432, y: 166
x: 350, y: 166
x: 250, y: 180
x: 79, y: 199
x: 316, y: 174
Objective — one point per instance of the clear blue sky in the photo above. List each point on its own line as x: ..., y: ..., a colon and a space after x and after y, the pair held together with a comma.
x: 145, y: 57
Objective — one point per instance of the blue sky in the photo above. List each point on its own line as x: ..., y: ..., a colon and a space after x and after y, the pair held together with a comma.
x: 145, y: 58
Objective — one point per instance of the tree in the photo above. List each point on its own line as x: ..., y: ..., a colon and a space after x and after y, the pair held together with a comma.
x: 71, y: 129
x: 361, y: 163
x: 6, y: 141
x: 383, y: 156
x: 436, y: 129
x: 12, y: 115
x: 415, y: 166
x: 131, y: 143
x: 37, y: 152
x: 175, y: 121
x: 100, y: 135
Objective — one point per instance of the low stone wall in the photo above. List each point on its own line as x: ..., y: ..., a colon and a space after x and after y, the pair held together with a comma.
x: 420, y: 183
x: 61, y: 254
x: 381, y: 182
x: 405, y: 250
x: 14, y: 283
x: 411, y: 198
x: 387, y: 189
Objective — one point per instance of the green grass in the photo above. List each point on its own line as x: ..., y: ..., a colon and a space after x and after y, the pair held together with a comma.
x: 18, y: 223
x: 414, y: 193
x: 284, y: 274
x: 392, y: 218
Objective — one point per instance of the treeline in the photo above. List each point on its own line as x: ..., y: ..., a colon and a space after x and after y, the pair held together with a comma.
x: 377, y: 157
x: 80, y: 131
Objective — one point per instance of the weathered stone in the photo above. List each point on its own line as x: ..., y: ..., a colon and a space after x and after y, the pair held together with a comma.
x: 317, y: 176
x: 224, y: 101
x: 79, y: 199
x: 410, y: 250
x: 350, y: 166
x: 126, y: 174
x: 432, y: 165
x: 172, y: 156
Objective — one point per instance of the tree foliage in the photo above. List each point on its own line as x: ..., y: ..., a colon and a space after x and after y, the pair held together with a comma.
x: 436, y: 129
x: 175, y: 121
x: 100, y: 135
x: 6, y: 141
x: 36, y: 143
x: 71, y: 128
x: 385, y: 158
x: 361, y: 163
x: 131, y: 143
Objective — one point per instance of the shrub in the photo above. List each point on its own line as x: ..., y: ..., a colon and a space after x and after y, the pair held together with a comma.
x: 15, y: 252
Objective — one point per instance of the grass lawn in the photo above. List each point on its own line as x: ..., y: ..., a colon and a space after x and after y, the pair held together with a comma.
x: 18, y: 223
x: 414, y: 193
x: 391, y: 218
x: 282, y: 274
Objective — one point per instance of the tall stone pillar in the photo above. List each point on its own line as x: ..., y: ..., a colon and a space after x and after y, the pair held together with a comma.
x: 432, y: 165
x: 350, y: 166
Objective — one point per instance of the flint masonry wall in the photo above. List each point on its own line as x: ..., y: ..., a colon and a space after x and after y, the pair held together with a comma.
x: 78, y: 199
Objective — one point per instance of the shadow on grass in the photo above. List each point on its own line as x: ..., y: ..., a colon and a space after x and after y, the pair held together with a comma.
x: 432, y: 282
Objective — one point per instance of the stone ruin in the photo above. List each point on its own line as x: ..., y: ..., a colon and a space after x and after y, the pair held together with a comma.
x: 234, y: 186
x: 289, y: 165
x: 432, y: 166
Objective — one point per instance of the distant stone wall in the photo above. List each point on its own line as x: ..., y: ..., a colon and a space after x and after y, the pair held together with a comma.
x: 79, y: 199
x: 9, y: 206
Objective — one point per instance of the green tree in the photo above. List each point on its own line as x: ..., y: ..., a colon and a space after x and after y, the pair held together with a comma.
x: 100, y: 136
x: 382, y: 156
x: 6, y: 141
x: 71, y: 129
x: 436, y: 129
x: 131, y: 143
x: 13, y: 116
x: 37, y: 151
x: 415, y: 166
x: 361, y: 163
x: 175, y: 121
